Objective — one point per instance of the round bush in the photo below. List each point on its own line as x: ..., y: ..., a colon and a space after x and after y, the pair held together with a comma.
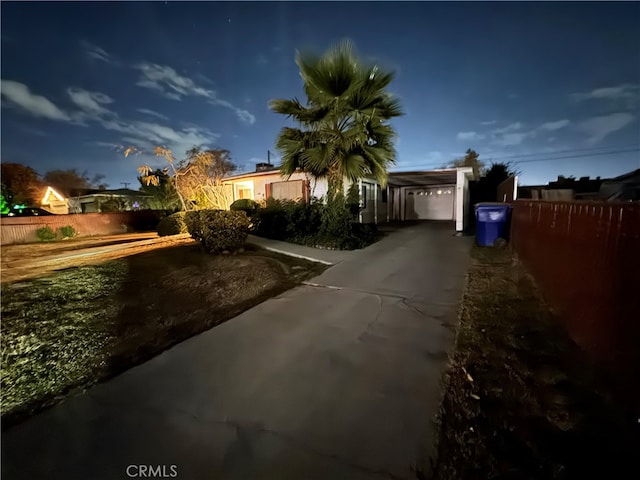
x: 46, y: 234
x: 174, y: 224
x: 219, y: 231
x: 245, y: 205
x: 67, y: 231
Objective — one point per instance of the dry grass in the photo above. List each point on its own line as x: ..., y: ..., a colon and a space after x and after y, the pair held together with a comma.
x: 75, y: 327
x: 521, y: 399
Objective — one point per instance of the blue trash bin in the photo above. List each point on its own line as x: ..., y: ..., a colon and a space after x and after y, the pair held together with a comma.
x: 492, y: 222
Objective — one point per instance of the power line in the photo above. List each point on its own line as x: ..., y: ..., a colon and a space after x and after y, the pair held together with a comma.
x: 634, y: 145
x: 581, y: 155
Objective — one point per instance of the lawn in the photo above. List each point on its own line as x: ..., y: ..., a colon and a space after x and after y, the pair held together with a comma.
x: 72, y: 328
x: 521, y: 399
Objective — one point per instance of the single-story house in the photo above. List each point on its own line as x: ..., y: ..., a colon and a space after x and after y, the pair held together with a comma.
x: 122, y: 199
x: 625, y: 188
x: 54, y: 202
x: 419, y: 195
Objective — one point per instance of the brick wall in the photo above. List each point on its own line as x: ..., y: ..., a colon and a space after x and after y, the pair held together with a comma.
x: 23, y: 229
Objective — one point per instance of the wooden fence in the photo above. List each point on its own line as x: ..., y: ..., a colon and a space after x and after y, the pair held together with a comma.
x: 585, y: 258
x: 23, y: 229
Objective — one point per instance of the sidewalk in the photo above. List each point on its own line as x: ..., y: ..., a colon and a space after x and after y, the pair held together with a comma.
x: 328, y: 257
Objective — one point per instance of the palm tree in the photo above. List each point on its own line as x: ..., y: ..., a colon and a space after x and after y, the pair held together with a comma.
x: 343, y: 126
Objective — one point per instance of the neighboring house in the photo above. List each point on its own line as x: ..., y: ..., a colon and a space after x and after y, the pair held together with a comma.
x: 54, y: 202
x: 123, y: 199
x: 625, y: 188
x: 421, y: 195
x: 564, y: 189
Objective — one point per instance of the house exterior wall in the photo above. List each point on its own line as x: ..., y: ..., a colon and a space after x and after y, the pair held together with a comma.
x: 260, y: 186
x: 258, y: 183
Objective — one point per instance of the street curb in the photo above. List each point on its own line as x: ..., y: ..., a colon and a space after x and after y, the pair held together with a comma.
x: 289, y: 254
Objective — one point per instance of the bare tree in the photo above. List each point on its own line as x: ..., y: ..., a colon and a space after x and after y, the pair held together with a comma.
x: 198, y: 179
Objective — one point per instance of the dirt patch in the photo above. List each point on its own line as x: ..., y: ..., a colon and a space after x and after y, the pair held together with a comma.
x: 521, y: 400
x: 75, y: 327
x: 34, y: 260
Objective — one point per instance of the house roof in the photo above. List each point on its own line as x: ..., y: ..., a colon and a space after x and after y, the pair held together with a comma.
x: 118, y: 192
x: 423, y: 177
x: 50, y: 192
x: 251, y: 174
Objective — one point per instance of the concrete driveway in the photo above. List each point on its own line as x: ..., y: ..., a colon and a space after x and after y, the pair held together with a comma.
x: 331, y: 380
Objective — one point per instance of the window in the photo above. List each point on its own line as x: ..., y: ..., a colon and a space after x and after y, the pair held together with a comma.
x: 244, y: 193
x: 383, y: 196
x: 363, y: 196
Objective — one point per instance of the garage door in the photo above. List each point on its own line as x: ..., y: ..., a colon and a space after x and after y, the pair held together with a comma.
x: 430, y: 203
x: 290, y: 190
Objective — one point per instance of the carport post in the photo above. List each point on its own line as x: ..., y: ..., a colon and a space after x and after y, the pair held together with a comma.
x: 459, y: 200
x: 375, y: 203
x: 361, y: 201
x: 388, y: 202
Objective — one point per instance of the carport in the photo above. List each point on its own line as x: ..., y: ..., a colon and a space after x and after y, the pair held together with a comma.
x: 430, y: 195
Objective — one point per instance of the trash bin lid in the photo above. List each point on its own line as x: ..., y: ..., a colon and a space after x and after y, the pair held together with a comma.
x: 492, y: 206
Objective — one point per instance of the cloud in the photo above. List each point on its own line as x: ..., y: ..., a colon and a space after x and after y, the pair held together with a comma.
x: 620, y: 92
x: 509, y: 128
x: 490, y: 122
x: 92, y: 108
x: 153, y: 113
x: 19, y: 95
x: 96, y: 53
x: 244, y: 115
x: 465, y: 136
x: 262, y: 60
x: 600, y: 127
x: 557, y: 125
x: 90, y: 102
x: 171, y: 84
x: 513, y: 96
x: 511, y: 139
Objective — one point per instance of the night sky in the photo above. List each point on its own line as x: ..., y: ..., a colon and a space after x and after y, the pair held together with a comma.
x: 514, y: 81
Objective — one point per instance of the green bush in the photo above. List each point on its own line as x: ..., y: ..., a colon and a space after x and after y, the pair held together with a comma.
x: 271, y: 221
x: 314, y: 224
x: 219, y: 231
x: 245, y: 205
x: 336, y: 230
x: 191, y: 220
x: 67, y: 231
x: 46, y: 234
x: 174, y: 224
x: 303, y: 220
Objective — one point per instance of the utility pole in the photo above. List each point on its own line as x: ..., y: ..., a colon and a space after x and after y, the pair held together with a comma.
x: 126, y: 184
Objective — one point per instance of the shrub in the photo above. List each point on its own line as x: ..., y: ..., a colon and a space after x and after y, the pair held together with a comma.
x: 67, y: 231
x: 270, y: 221
x: 46, y: 234
x: 303, y: 220
x: 174, y: 224
x: 219, y: 230
x: 336, y: 230
x: 245, y: 205
x: 191, y: 220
